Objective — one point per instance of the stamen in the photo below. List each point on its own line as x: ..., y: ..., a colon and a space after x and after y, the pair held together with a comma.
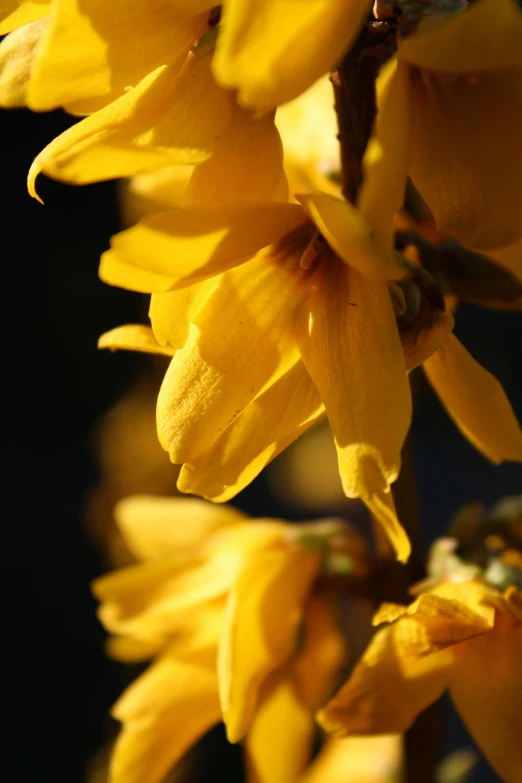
x: 312, y: 251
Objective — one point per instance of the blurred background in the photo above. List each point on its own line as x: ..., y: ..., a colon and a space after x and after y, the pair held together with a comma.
x: 57, y: 505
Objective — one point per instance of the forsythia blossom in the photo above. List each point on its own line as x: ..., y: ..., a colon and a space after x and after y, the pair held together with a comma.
x: 242, y: 627
x: 463, y: 633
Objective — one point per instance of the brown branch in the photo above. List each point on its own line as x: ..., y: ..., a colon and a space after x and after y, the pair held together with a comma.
x: 354, y: 92
x: 355, y: 105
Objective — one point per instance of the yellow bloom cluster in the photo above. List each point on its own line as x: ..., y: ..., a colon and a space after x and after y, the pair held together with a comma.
x: 281, y: 303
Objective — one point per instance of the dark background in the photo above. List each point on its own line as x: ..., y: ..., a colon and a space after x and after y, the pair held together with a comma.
x: 58, y: 683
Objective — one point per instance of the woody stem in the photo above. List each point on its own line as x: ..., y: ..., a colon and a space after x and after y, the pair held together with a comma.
x: 355, y: 104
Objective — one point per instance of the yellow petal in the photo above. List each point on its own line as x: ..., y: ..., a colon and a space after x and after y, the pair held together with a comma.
x: 279, y: 741
x: 350, y: 345
x: 156, y: 527
x: 264, y: 612
x: 104, y: 49
x: 386, y: 158
x: 155, y: 598
x: 486, y: 688
x: 264, y: 429
x: 247, y: 163
x: 509, y: 257
x: 197, y: 242
x: 434, y: 621
x: 381, y: 504
x: 272, y: 50
x: 241, y: 340
x: 387, y: 689
x: 114, y: 270
x: 476, y: 402
x: 16, y: 60
x: 322, y: 656
x: 476, y: 195
x: 484, y: 37
x: 420, y: 345
x: 129, y: 650
x: 171, y: 116
x: 164, y: 712
x: 361, y: 759
x: 15, y: 13
x: 347, y: 233
x: 133, y: 337
x: 171, y: 313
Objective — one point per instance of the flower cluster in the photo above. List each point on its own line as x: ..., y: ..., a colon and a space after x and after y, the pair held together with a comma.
x: 292, y: 282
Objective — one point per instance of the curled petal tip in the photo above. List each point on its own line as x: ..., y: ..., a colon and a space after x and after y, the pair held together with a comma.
x: 34, y: 171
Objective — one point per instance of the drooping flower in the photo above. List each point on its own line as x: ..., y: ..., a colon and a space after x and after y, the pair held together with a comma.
x: 463, y: 633
x: 240, y: 629
x: 463, y: 74
x: 302, y: 319
x: 305, y: 325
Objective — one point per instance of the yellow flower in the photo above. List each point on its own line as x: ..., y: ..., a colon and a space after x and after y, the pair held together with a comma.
x: 464, y: 633
x: 463, y: 75
x: 175, y: 115
x: 273, y: 50
x: 306, y: 322
x: 301, y: 323
x: 213, y: 586
x: 93, y: 52
x: 307, y: 127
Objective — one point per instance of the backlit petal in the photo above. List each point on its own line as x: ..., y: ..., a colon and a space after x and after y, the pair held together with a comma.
x: 105, y: 48
x: 476, y: 402
x: 350, y: 345
x: 241, y: 340
x: 114, y: 270
x: 264, y: 429
x: 484, y: 37
x: 171, y: 116
x: 156, y: 527
x: 386, y: 158
x: 171, y: 313
x: 133, y: 337
x: 351, y: 237
x: 16, y: 60
x: 358, y: 759
x: 197, y: 242
x: 164, y: 712
x: 476, y: 195
x: 387, y: 689
x: 279, y: 740
x: 15, y: 13
x: 247, y: 163
x: 272, y: 50
x: 486, y: 688
x: 264, y: 612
